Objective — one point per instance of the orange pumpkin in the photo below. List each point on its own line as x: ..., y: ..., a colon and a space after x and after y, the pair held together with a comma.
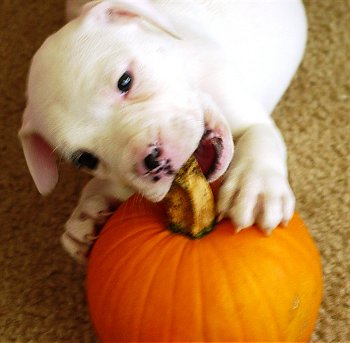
x: 146, y: 283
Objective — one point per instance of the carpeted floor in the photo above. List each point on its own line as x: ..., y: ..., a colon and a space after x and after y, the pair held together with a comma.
x: 42, y: 290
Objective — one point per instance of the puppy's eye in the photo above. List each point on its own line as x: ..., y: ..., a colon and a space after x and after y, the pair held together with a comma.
x: 83, y: 159
x: 125, y: 82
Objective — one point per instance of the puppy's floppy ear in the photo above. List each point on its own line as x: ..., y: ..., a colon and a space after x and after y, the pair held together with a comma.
x: 38, y: 154
x: 112, y: 10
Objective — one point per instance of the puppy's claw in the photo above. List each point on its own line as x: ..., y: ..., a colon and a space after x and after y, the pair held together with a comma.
x: 90, y: 238
x: 268, y: 232
x: 105, y: 213
x: 284, y: 223
x: 238, y: 229
x: 220, y: 216
x: 251, y: 196
x: 75, y: 248
x: 83, y: 226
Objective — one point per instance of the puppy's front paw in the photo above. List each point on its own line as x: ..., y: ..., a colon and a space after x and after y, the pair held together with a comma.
x: 252, y: 195
x: 83, y: 226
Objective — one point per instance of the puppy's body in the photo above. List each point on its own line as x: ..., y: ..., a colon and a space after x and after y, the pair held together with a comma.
x: 202, y: 72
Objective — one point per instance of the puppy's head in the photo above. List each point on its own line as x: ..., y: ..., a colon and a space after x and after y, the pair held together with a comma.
x: 114, y: 93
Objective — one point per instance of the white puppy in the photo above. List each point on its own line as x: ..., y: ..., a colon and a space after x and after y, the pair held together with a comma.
x: 128, y: 90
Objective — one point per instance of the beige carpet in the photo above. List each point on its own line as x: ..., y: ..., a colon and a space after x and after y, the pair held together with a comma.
x: 42, y: 290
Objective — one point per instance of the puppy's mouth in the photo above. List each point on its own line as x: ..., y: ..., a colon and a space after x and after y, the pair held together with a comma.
x: 209, y: 153
x: 213, y: 153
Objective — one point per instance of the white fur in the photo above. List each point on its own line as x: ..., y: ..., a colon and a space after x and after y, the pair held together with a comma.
x: 217, y: 64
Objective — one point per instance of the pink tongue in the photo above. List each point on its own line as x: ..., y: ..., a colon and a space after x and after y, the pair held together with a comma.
x: 207, y: 155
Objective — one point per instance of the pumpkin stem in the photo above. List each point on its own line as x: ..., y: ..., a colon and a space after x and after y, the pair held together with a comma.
x: 190, y: 202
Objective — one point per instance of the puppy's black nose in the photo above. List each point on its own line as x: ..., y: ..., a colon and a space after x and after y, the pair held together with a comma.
x: 151, y: 161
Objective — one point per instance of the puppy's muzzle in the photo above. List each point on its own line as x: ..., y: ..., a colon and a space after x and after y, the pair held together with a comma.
x: 156, y: 165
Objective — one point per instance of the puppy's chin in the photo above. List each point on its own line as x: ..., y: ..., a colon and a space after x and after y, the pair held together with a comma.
x: 156, y: 197
x: 156, y: 194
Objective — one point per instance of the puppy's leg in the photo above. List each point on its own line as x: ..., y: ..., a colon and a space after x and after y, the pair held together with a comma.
x: 256, y: 188
x: 96, y: 204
